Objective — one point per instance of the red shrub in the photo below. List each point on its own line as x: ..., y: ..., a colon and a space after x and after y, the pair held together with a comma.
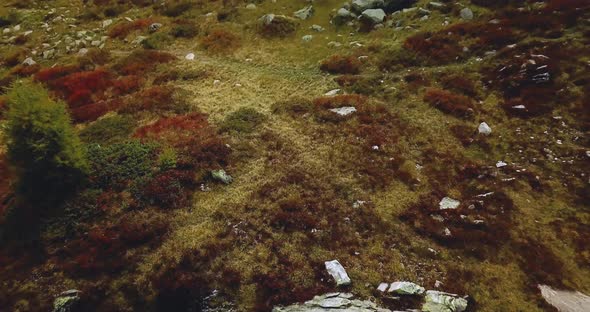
x: 123, y: 29
x: 82, y: 87
x: 454, y: 104
x: 141, y: 61
x: 436, y: 48
x: 219, y: 41
x: 154, y: 98
x: 91, y: 112
x: 169, y: 189
x: 339, y: 64
x: 24, y: 70
x: 177, y: 126
x: 460, y: 84
x: 126, y: 85
x: 53, y: 73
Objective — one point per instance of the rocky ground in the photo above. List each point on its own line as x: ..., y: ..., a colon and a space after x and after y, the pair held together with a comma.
x: 439, y: 151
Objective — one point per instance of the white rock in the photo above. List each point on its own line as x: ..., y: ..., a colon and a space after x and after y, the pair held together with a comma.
x: 484, y: 129
x: 449, y: 203
x: 16, y: 28
x: 438, y: 301
x: 382, y: 287
x: 216, y: 82
x: 336, y: 270
x: 29, y: 61
x: 251, y: 6
x: 6, y: 31
x: 332, y: 92
x: 317, y: 28
x: 501, y: 164
x: 190, y: 57
x: 82, y: 51
x: 344, y: 111
x: 565, y: 300
x: 107, y: 23
x: 406, y: 288
x: 375, y: 16
x: 466, y: 14
x: 307, y: 38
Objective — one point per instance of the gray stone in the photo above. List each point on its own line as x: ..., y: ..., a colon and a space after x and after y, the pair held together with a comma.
x: 438, y: 301
x: 29, y: 61
x: 449, y: 203
x: 362, y: 5
x: 336, y: 270
x: 49, y: 54
x: 307, y: 38
x: 154, y: 27
x: 107, y: 23
x: 565, y: 300
x: 221, y: 176
x: 251, y: 6
x: 436, y: 5
x: 484, y: 129
x: 466, y: 14
x: 406, y: 288
x: 333, y: 302
x: 374, y: 16
x: 342, y: 16
x: 317, y: 28
x: 343, y: 111
x: 67, y: 301
x: 304, y: 13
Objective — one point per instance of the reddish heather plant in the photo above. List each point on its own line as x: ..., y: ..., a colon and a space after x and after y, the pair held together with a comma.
x: 156, y: 98
x: 339, y: 64
x: 48, y: 75
x: 220, y: 41
x: 174, y: 127
x: 460, y: 84
x: 142, y: 61
x: 450, y: 103
x: 127, y: 84
x: 123, y: 29
x: 91, y: 112
x: 169, y: 189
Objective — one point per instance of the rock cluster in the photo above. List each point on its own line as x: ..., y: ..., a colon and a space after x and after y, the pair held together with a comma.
x: 333, y: 302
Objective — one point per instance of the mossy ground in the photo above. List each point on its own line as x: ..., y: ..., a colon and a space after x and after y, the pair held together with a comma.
x: 311, y: 187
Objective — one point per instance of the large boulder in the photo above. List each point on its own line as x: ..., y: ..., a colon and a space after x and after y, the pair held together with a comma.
x: 336, y: 270
x: 333, y: 302
x: 361, y: 5
x: 438, y: 301
x: 373, y: 16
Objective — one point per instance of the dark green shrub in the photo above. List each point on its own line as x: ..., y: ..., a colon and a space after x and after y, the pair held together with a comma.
x: 108, y: 130
x: 42, y: 145
x: 187, y: 30
x: 116, y: 166
x: 157, y: 41
x: 243, y: 120
x: 177, y: 9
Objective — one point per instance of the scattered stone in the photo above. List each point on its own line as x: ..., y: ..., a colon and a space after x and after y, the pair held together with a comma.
x: 436, y: 5
x: 342, y: 16
x: 373, y: 16
x: 344, y: 111
x: 307, y: 38
x: 6, y: 31
x: 138, y: 40
x: 332, y: 92
x: 438, y: 301
x: 334, y: 44
x: 333, y: 302
x: 67, y: 301
x: 317, y: 28
x: 466, y: 14
x: 565, y: 300
x: 251, y: 6
x: 304, y: 13
x: 221, y: 176
x: 484, y: 129
x: 48, y: 54
x: 83, y: 51
x: 29, y: 61
x: 16, y: 28
x: 406, y: 288
x: 107, y: 23
x: 336, y: 270
x: 382, y: 287
x: 362, y: 5
x: 501, y: 164
x: 190, y: 57
x: 154, y: 27
x: 449, y: 203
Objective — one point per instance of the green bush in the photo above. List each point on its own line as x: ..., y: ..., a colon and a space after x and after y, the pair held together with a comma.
x: 157, y: 41
x: 108, y: 130
x: 184, y: 31
x: 243, y: 120
x: 42, y: 145
x: 116, y: 166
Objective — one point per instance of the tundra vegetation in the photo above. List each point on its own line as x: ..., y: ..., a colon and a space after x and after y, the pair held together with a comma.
x: 122, y: 120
